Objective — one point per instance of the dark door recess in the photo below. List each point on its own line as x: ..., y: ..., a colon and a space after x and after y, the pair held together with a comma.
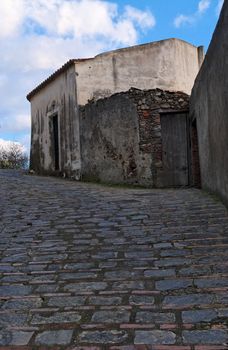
x: 56, y: 141
x: 175, y: 149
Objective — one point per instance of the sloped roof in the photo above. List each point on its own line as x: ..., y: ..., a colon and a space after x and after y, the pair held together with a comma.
x: 52, y: 77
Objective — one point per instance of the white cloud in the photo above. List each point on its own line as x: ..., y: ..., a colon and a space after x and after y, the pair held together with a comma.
x: 219, y: 7
x: 181, y: 19
x: 5, y: 145
x: 143, y: 19
x: 11, y: 17
x: 78, y: 19
x: 88, y: 18
x: 38, y: 36
x: 203, y: 5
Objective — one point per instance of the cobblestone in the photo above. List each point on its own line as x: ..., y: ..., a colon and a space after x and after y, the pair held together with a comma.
x: 111, y: 316
x: 85, y: 286
x: 103, y: 337
x: 154, y: 317
x: 156, y: 273
x: 91, y: 267
x: 141, y: 300
x: 173, y: 284
x: 13, y: 319
x: 198, y: 316
x: 14, y: 290
x: 22, y: 304
x: 63, y: 317
x: 154, y: 337
x: 67, y: 301
x: 188, y: 300
x: 128, y: 285
x: 205, y: 337
x: 102, y: 300
x: 60, y: 337
x: 15, y: 338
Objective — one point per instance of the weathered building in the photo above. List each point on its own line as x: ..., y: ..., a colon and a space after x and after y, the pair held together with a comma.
x: 137, y: 137
x: 209, y: 109
x: 120, y: 117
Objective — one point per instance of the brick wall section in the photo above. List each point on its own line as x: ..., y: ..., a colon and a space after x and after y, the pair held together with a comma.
x: 150, y: 103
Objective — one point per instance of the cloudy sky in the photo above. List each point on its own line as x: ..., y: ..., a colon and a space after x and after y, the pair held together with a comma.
x: 38, y: 36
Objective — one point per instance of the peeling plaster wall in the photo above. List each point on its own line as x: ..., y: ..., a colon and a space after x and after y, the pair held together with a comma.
x: 121, y: 138
x: 59, y: 97
x: 169, y: 65
x: 209, y: 105
x: 110, y: 141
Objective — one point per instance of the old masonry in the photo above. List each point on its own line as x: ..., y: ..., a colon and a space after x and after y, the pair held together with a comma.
x: 120, y: 117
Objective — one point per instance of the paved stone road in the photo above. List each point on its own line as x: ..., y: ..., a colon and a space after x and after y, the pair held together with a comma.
x: 90, y: 267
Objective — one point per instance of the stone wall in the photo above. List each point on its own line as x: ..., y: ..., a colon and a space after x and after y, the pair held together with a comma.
x: 150, y: 104
x: 109, y: 133
x: 196, y: 175
x: 209, y: 106
x: 121, y: 139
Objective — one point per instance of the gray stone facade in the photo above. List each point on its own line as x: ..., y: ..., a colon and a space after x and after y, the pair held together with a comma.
x: 209, y: 108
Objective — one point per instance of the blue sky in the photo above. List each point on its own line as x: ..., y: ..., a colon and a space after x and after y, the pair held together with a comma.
x: 38, y: 36
x: 165, y: 11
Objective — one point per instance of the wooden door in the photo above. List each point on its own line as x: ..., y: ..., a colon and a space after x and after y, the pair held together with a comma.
x: 175, y: 157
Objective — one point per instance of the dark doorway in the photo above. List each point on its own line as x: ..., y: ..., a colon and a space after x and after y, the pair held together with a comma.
x: 175, y: 149
x: 56, y: 141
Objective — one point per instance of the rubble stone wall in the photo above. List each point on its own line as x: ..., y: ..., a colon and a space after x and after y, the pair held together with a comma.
x: 121, y: 138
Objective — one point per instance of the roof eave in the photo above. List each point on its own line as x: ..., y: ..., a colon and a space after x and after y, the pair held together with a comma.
x: 52, y: 77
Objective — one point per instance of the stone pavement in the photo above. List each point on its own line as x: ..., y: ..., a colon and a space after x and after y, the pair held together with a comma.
x: 91, y: 267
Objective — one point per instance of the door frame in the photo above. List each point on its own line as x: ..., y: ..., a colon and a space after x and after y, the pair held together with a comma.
x: 51, y: 117
x: 55, y: 138
x: 188, y: 141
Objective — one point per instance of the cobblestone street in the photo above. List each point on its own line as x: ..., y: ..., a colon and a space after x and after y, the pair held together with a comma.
x: 90, y: 267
